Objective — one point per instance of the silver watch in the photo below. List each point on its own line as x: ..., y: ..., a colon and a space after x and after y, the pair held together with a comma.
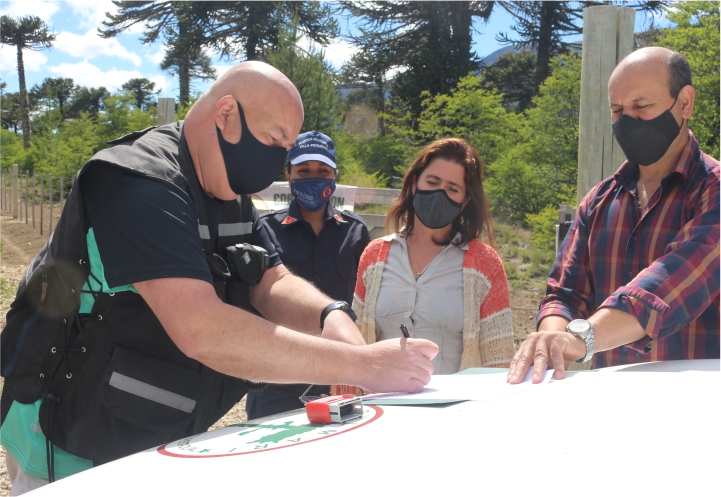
x: 583, y: 329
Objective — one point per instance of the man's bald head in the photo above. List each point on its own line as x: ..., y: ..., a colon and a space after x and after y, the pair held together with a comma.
x: 673, y: 65
x: 273, y: 111
x: 646, y: 84
x: 254, y: 83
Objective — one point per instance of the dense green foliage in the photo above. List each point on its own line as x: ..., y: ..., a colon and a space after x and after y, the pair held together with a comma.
x: 697, y: 37
x: 312, y: 76
x: 528, y: 140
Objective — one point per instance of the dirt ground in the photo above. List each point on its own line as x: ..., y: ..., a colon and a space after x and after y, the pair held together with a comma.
x: 21, y: 242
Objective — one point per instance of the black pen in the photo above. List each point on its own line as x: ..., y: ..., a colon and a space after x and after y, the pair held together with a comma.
x: 404, y: 330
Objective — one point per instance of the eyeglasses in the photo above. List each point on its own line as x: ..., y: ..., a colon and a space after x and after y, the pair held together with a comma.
x: 304, y: 398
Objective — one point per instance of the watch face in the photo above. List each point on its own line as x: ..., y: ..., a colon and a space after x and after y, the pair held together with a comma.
x: 579, y: 326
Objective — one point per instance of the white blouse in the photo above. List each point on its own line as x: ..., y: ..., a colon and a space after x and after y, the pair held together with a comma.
x: 431, y: 307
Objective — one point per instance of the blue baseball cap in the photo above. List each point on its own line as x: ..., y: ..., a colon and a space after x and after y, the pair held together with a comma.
x: 313, y: 146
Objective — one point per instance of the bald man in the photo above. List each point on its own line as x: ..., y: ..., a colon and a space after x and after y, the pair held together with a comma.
x: 637, y: 278
x: 123, y: 336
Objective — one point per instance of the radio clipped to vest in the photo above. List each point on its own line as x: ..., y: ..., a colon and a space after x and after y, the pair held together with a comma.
x: 247, y: 261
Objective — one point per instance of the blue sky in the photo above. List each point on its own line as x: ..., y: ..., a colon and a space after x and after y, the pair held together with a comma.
x: 79, y: 53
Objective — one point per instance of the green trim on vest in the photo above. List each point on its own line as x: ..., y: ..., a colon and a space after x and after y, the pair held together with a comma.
x: 22, y: 437
x: 96, y: 269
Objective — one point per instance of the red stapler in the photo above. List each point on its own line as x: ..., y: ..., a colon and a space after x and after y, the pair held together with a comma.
x: 335, y: 409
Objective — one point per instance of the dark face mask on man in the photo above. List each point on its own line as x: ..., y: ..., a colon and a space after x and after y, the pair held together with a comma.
x: 646, y: 142
x: 251, y: 166
x: 434, y: 208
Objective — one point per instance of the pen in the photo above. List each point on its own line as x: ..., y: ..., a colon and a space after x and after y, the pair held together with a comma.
x: 404, y: 330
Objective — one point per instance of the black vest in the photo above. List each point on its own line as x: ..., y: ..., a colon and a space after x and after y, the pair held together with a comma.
x: 113, y: 383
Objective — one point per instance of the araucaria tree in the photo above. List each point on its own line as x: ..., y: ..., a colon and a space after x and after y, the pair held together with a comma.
x: 141, y: 89
x: 429, y: 42
x: 180, y: 25
x: 26, y: 33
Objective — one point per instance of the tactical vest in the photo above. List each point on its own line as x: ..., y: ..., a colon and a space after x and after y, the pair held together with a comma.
x: 113, y: 382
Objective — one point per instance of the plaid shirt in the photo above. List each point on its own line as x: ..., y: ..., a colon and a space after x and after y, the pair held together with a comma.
x: 661, y: 266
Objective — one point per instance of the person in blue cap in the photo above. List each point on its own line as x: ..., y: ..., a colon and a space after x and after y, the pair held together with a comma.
x: 316, y: 242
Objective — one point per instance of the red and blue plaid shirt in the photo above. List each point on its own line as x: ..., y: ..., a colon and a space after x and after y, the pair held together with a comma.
x: 662, y: 265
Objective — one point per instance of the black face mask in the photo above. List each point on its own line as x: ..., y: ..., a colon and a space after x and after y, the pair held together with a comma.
x: 434, y: 208
x: 645, y: 142
x: 251, y: 166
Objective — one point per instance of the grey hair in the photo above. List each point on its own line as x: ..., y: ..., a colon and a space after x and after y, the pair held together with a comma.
x: 679, y: 73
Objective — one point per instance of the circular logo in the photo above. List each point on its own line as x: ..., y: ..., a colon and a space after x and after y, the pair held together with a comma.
x: 277, y: 432
x: 326, y: 193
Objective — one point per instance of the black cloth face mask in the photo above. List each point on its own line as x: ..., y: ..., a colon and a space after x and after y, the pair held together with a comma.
x: 434, y: 208
x: 645, y: 142
x: 251, y: 166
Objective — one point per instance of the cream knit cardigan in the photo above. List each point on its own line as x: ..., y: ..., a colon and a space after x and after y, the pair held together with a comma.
x: 487, y: 329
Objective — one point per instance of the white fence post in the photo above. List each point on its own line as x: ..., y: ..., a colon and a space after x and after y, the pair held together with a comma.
x: 607, y: 38
x: 166, y: 111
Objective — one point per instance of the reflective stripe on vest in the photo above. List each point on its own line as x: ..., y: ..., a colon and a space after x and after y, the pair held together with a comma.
x: 146, y: 391
x: 235, y: 229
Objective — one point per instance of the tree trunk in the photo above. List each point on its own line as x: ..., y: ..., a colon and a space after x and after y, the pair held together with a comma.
x: 183, y: 67
x: 381, y: 105
x: 24, y: 110
x: 545, y: 35
x: 251, y: 47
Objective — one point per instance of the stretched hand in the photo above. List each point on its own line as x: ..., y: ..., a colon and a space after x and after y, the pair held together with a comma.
x: 543, y: 348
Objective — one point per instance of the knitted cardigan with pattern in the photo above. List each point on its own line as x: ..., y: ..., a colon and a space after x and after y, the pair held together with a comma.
x: 487, y: 330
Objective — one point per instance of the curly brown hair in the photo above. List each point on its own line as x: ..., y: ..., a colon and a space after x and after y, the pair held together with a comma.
x: 475, y: 218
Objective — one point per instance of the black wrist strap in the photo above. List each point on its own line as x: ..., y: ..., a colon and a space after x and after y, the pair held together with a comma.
x: 339, y: 304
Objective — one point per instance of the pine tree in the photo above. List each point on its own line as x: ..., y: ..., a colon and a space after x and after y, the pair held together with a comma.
x: 542, y: 27
x: 60, y: 90
x: 429, y: 42
x: 26, y: 33
x: 142, y: 89
x: 180, y: 24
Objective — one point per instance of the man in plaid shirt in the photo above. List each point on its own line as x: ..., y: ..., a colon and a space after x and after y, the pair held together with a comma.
x: 637, y: 278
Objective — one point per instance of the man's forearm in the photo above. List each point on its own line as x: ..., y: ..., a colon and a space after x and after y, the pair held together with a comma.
x: 237, y: 343
x: 613, y: 328
x: 290, y: 301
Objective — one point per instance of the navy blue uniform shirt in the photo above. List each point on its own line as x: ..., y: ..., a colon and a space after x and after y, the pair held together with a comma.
x: 329, y: 261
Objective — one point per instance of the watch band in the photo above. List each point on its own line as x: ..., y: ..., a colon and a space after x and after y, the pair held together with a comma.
x: 588, y: 337
x: 338, y: 304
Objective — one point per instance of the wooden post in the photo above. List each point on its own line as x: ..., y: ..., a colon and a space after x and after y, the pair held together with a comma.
x: 27, y: 194
x: 607, y: 39
x: 42, y: 200
x: 166, y: 111
x: 50, y: 180
x: 34, y: 190
x: 16, y: 199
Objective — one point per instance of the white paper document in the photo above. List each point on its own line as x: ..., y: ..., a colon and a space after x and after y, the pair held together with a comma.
x: 456, y: 388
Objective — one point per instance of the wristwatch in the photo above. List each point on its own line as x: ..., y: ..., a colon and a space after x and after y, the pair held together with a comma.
x: 339, y: 304
x: 583, y: 329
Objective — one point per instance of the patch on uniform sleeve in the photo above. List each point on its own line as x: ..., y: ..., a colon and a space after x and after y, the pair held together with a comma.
x: 339, y: 219
x: 289, y: 220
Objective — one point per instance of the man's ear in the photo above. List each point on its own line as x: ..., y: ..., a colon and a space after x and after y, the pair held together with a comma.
x: 227, y: 118
x: 687, y: 97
